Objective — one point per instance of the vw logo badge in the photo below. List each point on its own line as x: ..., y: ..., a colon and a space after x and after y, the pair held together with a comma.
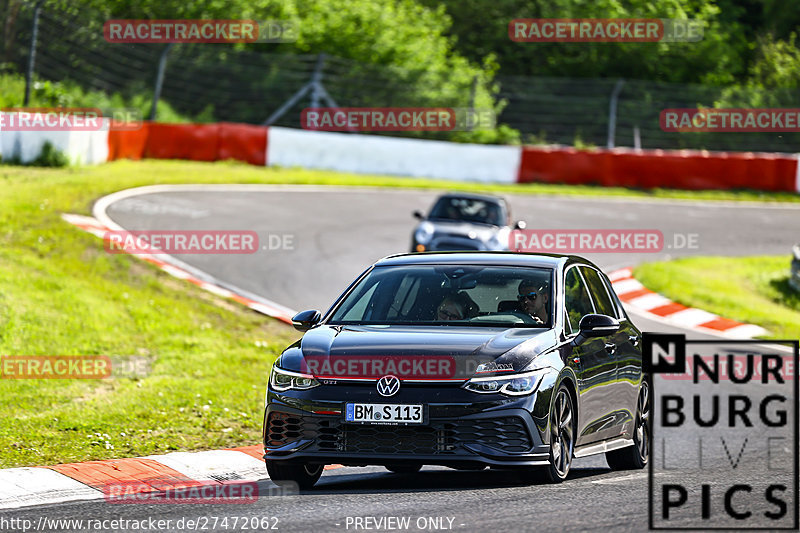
x: 388, y: 385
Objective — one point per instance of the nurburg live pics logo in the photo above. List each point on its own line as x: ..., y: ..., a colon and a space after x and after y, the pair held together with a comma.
x: 723, y: 433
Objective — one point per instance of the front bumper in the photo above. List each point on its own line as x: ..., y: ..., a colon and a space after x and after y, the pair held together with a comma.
x: 496, y: 433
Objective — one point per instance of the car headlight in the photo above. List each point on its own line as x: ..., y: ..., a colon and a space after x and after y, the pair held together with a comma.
x: 515, y: 385
x: 283, y: 380
x: 424, y: 233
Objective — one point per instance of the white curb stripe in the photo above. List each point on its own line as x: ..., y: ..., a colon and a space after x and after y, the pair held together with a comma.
x: 620, y: 274
x: 22, y: 487
x: 626, y: 286
x: 649, y: 301
x: 691, y: 317
x: 745, y: 331
x: 218, y: 465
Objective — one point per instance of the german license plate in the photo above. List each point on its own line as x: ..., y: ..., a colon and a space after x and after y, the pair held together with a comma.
x: 383, y: 413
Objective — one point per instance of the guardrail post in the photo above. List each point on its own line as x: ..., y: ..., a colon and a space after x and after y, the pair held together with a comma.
x: 162, y: 66
x: 612, y: 113
x: 32, y: 52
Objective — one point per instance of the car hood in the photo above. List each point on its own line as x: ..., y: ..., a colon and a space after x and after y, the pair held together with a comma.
x: 458, y: 351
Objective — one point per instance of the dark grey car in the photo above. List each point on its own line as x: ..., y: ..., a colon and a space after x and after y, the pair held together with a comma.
x: 464, y: 222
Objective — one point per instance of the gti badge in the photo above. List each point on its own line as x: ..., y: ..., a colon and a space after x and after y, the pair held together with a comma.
x: 388, y: 385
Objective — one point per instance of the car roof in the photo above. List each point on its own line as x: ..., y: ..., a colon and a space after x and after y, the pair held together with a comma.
x: 482, y: 258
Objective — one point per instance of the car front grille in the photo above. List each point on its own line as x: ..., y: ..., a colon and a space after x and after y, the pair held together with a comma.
x: 507, y: 434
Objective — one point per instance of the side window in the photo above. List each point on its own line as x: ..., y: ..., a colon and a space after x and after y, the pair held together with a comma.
x: 598, y: 289
x: 576, y: 298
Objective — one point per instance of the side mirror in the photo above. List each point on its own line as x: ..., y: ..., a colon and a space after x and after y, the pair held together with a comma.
x: 520, y: 224
x: 419, y: 215
x: 305, y: 320
x: 598, y: 326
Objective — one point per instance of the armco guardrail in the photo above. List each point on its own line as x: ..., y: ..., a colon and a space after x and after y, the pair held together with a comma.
x: 372, y: 154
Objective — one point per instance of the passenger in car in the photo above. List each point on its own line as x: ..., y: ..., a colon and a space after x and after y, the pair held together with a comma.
x: 451, y: 309
x: 457, y: 306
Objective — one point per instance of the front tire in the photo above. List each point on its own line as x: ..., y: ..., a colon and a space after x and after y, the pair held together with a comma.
x: 635, y: 457
x: 304, y: 475
x: 562, y: 440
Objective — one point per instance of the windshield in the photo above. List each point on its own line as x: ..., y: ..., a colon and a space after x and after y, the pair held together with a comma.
x: 450, y: 295
x: 468, y: 210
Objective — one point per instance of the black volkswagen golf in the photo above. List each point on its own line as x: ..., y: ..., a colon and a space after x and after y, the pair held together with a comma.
x: 465, y: 360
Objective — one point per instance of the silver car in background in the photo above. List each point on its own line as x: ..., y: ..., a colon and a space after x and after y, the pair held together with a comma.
x: 464, y: 222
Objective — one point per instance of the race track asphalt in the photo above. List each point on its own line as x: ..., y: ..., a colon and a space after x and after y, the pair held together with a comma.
x: 336, y: 234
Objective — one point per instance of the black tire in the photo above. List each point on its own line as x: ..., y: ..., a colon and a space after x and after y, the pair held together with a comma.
x: 303, y: 474
x: 562, y: 425
x: 404, y: 469
x: 635, y: 457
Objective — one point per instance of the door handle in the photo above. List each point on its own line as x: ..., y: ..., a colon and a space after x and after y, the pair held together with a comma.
x: 611, y: 348
x: 634, y: 340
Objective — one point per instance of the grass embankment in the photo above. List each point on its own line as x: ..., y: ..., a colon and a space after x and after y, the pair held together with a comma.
x: 60, y: 294
x: 754, y: 290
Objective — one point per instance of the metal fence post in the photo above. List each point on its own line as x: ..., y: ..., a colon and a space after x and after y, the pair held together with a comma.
x: 32, y: 52
x: 162, y: 66
x: 612, y: 113
x: 316, y: 80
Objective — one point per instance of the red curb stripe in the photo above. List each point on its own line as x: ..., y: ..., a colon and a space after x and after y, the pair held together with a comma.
x: 721, y: 324
x: 668, y: 309
x: 256, y: 451
x: 103, y: 475
x: 628, y: 296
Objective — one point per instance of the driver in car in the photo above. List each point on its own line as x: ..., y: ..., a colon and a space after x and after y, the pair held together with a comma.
x: 534, y: 299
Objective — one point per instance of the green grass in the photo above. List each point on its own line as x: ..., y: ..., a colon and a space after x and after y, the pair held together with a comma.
x: 61, y: 294
x: 754, y: 290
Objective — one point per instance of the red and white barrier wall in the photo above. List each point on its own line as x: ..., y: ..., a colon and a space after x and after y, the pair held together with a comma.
x: 374, y: 154
x: 82, y: 147
x: 378, y: 154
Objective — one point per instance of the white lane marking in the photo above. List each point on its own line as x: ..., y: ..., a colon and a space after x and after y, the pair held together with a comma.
x: 22, y: 487
x: 99, y: 211
x: 620, y: 479
x: 176, y: 272
x: 225, y: 293
x: 248, y: 187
